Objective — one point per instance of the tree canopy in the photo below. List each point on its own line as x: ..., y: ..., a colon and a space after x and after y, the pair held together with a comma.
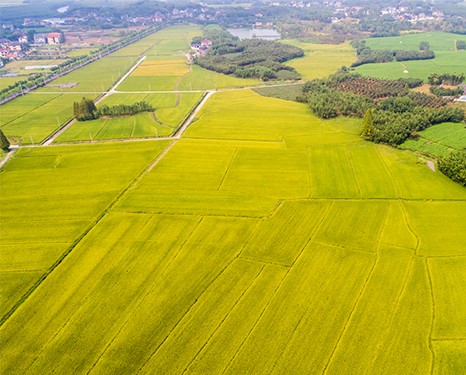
x: 454, y: 166
x: 248, y: 58
x: 86, y: 109
x: 4, y: 143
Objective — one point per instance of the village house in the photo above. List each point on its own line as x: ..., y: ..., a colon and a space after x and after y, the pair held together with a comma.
x: 10, y: 50
x: 23, y: 39
x: 54, y: 38
x: 40, y: 38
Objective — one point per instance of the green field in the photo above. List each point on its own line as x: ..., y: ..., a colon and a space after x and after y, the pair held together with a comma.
x: 96, y: 77
x: 447, y: 58
x: 7, y: 81
x: 19, y: 66
x: 321, y: 60
x: 80, y: 52
x: 196, y: 79
x: 72, y: 186
x: 33, y: 117
x: 170, y: 111
x: 439, y: 140
x: 438, y: 41
x: 264, y: 241
x: 203, y: 79
x: 168, y: 41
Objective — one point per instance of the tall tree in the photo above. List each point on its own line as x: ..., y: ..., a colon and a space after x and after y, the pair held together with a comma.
x: 84, y: 110
x: 368, y: 128
x: 424, y: 46
x: 4, y: 143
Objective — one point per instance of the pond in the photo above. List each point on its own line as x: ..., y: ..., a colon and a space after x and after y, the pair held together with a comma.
x: 267, y: 34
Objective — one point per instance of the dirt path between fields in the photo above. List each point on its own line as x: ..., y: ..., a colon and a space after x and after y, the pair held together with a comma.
x: 7, y: 157
x: 47, y: 141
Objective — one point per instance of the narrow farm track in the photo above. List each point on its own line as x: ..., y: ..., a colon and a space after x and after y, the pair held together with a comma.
x: 49, y: 140
x: 7, y: 157
x: 156, y: 160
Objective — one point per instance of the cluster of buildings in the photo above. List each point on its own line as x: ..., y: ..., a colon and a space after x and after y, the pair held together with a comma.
x: 403, y: 14
x: 12, y: 50
x: 50, y: 38
x: 174, y: 15
x: 201, y: 47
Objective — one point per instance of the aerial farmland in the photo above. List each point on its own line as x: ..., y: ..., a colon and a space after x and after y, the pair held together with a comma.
x: 224, y: 232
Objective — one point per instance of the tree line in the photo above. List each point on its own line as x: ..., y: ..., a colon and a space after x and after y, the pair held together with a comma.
x: 454, y: 166
x: 87, y: 110
x: 446, y: 78
x: 367, y: 55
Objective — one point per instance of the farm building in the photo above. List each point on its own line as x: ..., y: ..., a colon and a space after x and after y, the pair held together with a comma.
x: 40, y: 38
x: 54, y: 38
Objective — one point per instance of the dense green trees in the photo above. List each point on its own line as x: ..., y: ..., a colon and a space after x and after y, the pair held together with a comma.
x: 454, y: 166
x: 368, y: 128
x: 86, y: 109
x: 392, y: 120
x: 447, y: 79
x: 460, y: 44
x: 394, y: 128
x: 248, y: 58
x: 123, y: 109
x: 4, y: 143
x: 423, y: 46
x: 366, y: 55
x: 442, y: 91
x: 327, y: 102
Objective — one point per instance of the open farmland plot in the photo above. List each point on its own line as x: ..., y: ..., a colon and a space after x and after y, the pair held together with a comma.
x: 174, y: 40
x: 37, y: 116
x: 437, y: 41
x: 71, y: 187
x: 156, y: 75
x: 95, y: 77
x: 7, y: 81
x: 447, y: 58
x: 171, y: 40
x: 321, y: 60
x: 264, y: 241
x: 170, y: 111
x: 203, y: 79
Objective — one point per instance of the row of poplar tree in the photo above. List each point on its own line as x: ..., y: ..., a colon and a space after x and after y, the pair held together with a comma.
x: 87, y: 110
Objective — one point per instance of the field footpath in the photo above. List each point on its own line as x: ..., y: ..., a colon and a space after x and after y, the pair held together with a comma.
x: 7, y: 156
x: 47, y: 141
